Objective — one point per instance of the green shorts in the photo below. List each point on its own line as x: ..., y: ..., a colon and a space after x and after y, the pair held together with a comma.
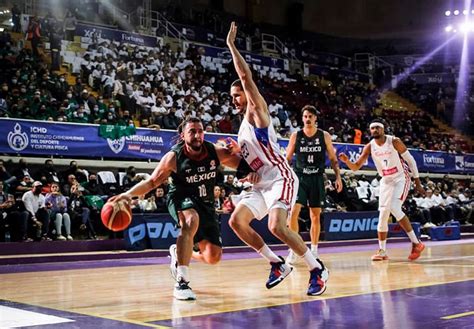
x: 209, y: 227
x: 311, y: 191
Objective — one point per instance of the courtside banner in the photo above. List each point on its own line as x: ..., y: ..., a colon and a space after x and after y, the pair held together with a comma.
x: 100, y: 32
x: 30, y: 137
x: 350, y: 225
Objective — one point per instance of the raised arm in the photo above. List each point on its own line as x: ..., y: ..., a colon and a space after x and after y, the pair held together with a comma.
x: 333, y: 159
x: 354, y: 166
x: 290, y: 149
x: 256, y: 103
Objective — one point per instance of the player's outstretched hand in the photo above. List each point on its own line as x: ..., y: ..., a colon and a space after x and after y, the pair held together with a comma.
x: 252, y: 178
x: 232, y: 34
x: 120, y: 197
x: 232, y: 146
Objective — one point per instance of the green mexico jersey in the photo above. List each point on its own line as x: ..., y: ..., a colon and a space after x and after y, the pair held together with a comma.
x: 310, y: 153
x: 195, y: 178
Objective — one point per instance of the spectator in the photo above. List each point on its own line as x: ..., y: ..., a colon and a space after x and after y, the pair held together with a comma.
x: 69, y: 26
x: 80, y: 213
x: 35, y: 212
x: 49, y: 172
x: 10, y: 220
x: 16, y: 14
x: 57, y: 205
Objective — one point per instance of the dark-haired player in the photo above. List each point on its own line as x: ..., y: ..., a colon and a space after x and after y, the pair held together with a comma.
x: 391, y: 158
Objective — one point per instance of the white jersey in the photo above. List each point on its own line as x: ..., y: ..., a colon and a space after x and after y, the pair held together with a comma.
x: 387, y: 160
x: 259, y: 147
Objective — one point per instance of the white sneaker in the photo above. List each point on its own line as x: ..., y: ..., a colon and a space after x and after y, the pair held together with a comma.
x: 70, y: 238
x: 61, y: 237
x: 182, y: 291
x: 173, y: 262
x: 292, y: 258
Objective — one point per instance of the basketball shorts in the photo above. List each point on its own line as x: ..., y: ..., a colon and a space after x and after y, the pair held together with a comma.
x: 393, y: 193
x: 280, y: 193
x: 311, y: 191
x: 209, y: 227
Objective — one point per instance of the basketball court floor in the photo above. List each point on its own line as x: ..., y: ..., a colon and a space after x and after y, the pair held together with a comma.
x: 436, y: 291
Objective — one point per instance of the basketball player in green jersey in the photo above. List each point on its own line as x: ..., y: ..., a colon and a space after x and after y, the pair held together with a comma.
x: 192, y: 165
x: 310, y: 146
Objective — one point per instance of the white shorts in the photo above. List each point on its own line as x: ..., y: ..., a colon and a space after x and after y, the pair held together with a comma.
x: 272, y: 194
x: 393, y: 193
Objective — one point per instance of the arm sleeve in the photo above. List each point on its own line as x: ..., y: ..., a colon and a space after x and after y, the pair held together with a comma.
x: 411, y: 163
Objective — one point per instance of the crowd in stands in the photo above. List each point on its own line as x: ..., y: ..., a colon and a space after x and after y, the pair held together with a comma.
x: 43, y: 202
x: 157, y: 88
x: 440, y: 101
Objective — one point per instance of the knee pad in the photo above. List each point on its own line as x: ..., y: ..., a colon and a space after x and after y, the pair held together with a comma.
x: 384, y: 214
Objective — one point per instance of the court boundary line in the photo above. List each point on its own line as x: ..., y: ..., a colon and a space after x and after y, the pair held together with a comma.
x: 146, y: 324
x: 321, y: 298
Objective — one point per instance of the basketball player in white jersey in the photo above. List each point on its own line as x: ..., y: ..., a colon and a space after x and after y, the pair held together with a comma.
x: 390, y: 156
x: 275, y: 193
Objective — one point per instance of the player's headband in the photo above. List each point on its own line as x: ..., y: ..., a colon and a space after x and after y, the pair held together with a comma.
x: 376, y: 124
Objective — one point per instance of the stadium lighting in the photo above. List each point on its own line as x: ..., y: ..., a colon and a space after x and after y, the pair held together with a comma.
x: 447, y: 13
x: 448, y: 28
x: 456, y: 12
x: 465, y: 12
x: 472, y: 11
x: 467, y: 27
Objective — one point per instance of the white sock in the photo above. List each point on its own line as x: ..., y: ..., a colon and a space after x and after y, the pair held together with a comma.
x: 413, y: 237
x: 383, y: 244
x: 183, y: 273
x: 314, y: 250
x: 268, y: 254
x: 310, y: 260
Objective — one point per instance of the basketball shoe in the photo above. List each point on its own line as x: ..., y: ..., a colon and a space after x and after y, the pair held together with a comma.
x: 182, y: 291
x: 278, y: 272
x: 317, y: 280
x: 173, y: 262
x: 416, y: 250
x: 292, y: 258
x: 380, y: 255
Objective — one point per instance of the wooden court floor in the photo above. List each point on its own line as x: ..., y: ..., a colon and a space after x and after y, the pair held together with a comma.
x: 232, y: 294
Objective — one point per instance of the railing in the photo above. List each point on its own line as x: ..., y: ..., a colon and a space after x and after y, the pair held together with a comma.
x: 271, y: 43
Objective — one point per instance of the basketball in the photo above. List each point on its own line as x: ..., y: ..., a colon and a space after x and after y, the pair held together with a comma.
x: 116, y: 216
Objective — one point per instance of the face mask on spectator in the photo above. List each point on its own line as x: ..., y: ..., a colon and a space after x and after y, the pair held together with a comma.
x: 14, y: 81
x: 5, y: 88
x: 23, y: 90
x: 69, y: 95
x: 110, y: 117
x: 60, y: 119
x: 37, y: 190
x: 61, y: 79
x: 80, y: 115
x: 96, y: 108
x: 112, y: 109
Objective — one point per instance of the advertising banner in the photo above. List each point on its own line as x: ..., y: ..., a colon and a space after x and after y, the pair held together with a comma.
x: 45, y: 138
x: 100, y: 32
x: 350, y: 225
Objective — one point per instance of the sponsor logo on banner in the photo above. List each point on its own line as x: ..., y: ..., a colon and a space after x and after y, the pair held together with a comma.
x: 431, y: 160
x: 353, y: 224
x: 347, y: 226
x: 17, y: 140
x: 459, y: 162
x: 116, y: 145
x: 155, y: 230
